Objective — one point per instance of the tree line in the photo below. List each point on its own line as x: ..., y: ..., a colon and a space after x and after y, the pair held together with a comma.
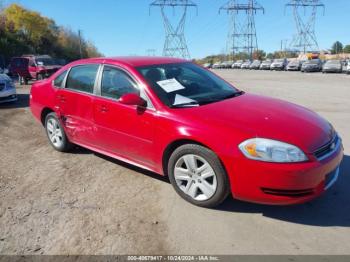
x: 23, y: 31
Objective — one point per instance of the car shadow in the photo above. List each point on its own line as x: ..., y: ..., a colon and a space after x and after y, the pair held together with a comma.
x: 81, y: 150
x: 22, y: 102
x: 331, y: 209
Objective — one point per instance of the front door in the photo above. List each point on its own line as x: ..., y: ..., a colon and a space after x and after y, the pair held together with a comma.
x: 75, y: 104
x: 124, y: 130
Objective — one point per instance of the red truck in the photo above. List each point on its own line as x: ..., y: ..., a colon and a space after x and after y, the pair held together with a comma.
x: 29, y: 67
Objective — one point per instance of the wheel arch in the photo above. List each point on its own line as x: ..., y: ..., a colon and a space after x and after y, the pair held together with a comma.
x: 44, y: 113
x: 177, y: 143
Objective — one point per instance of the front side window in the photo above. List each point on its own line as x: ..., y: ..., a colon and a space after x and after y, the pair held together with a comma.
x: 115, y: 83
x: 186, y: 84
x: 82, y: 78
x: 58, y: 82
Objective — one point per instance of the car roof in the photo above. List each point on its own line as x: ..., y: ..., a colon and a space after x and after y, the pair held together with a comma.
x: 134, y: 61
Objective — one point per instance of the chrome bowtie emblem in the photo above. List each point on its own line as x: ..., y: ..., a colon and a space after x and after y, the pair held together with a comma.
x: 333, y: 146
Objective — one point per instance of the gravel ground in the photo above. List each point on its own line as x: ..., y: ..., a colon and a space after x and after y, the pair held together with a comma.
x: 86, y: 203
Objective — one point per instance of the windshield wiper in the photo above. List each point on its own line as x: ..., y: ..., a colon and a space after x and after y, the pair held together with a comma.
x: 239, y: 93
x: 189, y: 104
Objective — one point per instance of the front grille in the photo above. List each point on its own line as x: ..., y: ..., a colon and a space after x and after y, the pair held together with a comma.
x: 2, y: 86
x: 288, y: 193
x: 327, y: 148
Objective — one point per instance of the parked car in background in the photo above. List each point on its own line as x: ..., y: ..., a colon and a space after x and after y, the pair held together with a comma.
x: 207, y: 65
x: 7, y: 89
x: 279, y: 64
x: 348, y: 67
x: 314, y: 65
x: 294, y: 65
x: 30, y: 67
x: 216, y: 65
x: 255, y: 65
x: 332, y: 66
x: 237, y: 64
x: 266, y: 64
x: 246, y: 64
x: 227, y: 64
x: 149, y: 112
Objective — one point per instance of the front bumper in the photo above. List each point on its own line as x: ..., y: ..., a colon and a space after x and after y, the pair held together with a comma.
x: 311, y: 69
x: 284, y: 184
x: 277, y: 68
x: 331, y: 70
x: 293, y: 68
x: 8, y: 96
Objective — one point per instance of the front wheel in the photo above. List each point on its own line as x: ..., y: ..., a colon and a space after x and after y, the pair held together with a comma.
x: 56, y: 134
x: 198, y: 176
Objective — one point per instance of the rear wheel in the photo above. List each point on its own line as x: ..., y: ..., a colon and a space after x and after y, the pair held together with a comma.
x: 198, y: 176
x: 56, y: 134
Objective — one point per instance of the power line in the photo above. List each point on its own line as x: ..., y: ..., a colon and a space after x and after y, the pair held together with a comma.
x: 305, y: 39
x: 242, y: 31
x: 175, y: 42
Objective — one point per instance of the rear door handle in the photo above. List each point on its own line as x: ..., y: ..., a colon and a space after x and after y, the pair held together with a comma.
x: 61, y: 98
x: 104, y: 109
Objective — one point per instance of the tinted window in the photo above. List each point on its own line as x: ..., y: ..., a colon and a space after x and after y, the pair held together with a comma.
x: 59, y: 80
x: 82, y: 78
x: 116, y: 83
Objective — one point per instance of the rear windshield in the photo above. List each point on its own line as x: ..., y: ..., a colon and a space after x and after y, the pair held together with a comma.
x: 45, y: 61
x: 19, y: 62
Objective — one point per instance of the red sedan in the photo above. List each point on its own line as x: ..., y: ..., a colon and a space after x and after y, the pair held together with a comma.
x: 180, y: 120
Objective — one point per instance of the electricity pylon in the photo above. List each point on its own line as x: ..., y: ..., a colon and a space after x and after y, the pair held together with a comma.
x: 175, y: 42
x: 305, y: 39
x: 242, y: 31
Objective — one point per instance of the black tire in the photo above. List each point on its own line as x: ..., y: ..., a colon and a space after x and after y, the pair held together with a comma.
x: 66, y: 145
x: 223, y: 187
x: 40, y: 77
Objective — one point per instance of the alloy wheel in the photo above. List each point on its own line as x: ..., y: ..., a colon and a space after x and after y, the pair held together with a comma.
x: 54, y: 132
x: 195, y: 177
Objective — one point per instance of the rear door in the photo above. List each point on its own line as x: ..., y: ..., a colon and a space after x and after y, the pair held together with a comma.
x: 75, y: 103
x: 124, y: 130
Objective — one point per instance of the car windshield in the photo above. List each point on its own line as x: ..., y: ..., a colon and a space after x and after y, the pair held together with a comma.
x: 45, y: 61
x: 312, y: 62
x: 294, y: 62
x: 333, y: 62
x: 279, y: 60
x: 186, y: 84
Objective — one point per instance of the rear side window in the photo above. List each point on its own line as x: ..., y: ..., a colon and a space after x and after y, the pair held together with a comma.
x: 58, y: 82
x: 82, y: 78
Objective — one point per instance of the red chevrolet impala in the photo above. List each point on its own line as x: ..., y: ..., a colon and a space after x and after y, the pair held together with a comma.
x: 180, y: 120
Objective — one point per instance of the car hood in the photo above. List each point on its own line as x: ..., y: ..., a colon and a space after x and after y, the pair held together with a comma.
x: 259, y: 116
x: 4, y: 78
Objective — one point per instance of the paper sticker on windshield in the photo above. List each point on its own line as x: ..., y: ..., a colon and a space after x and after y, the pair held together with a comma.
x: 170, y: 85
x: 182, y: 100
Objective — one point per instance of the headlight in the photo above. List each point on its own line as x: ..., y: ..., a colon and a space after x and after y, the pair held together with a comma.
x: 268, y: 150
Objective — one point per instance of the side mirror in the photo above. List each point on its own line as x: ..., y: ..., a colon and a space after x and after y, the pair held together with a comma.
x: 133, y: 100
